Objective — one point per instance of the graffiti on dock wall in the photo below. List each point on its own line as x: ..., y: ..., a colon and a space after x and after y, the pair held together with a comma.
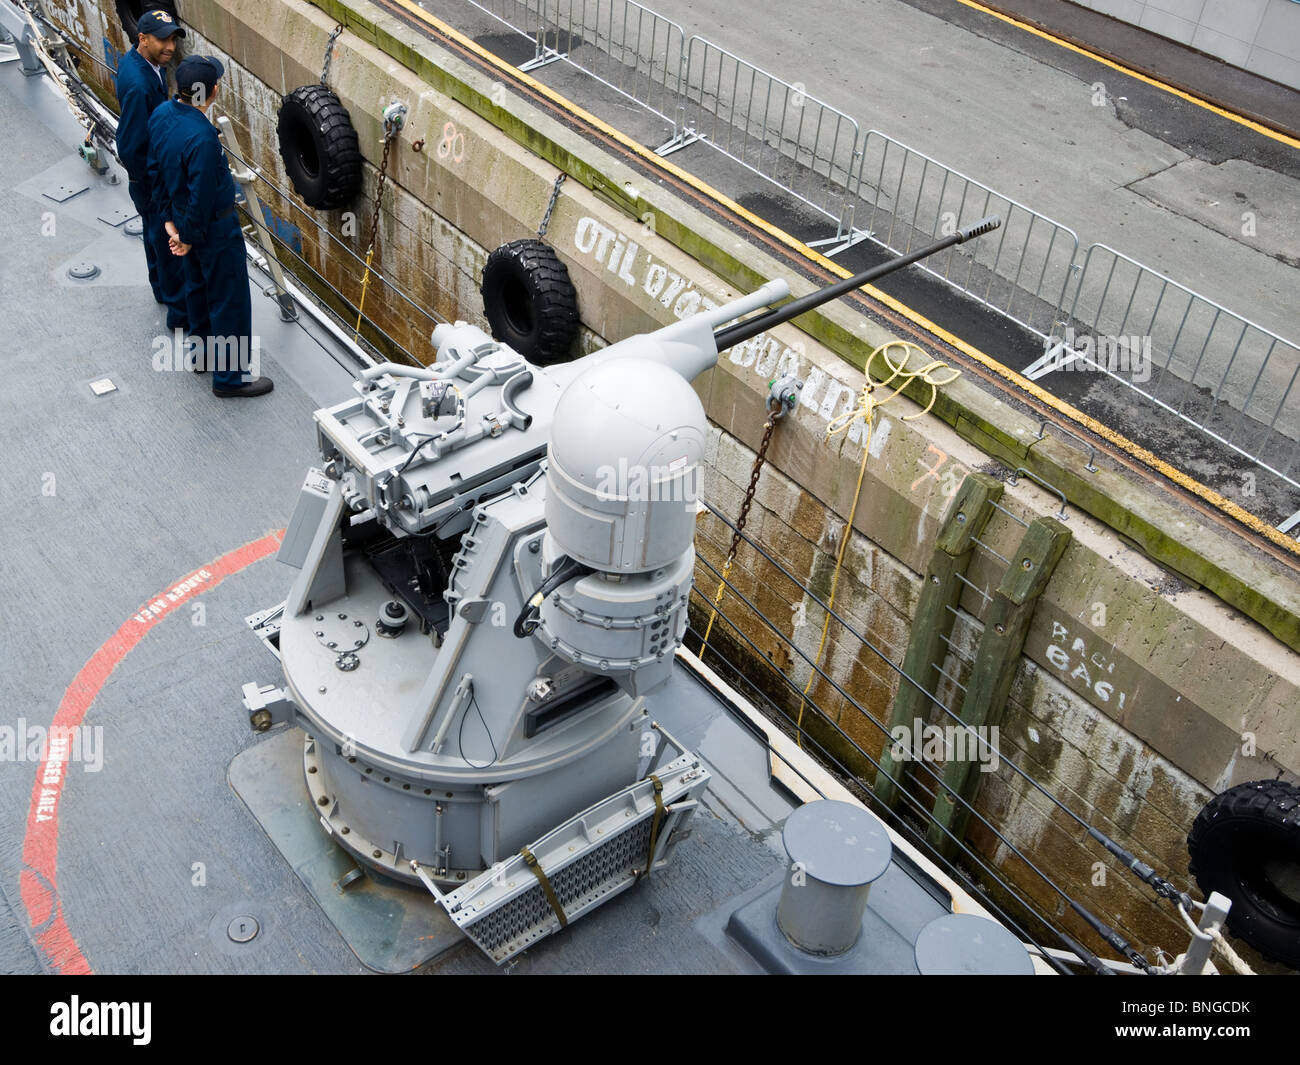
x: 1084, y: 666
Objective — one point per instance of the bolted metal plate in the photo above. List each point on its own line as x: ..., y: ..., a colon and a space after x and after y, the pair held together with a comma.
x: 116, y: 216
x: 340, y: 632
x: 63, y: 192
x: 134, y: 226
x: 391, y: 928
x: 83, y: 270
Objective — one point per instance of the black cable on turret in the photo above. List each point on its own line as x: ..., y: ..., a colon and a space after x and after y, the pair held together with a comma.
x: 530, y: 617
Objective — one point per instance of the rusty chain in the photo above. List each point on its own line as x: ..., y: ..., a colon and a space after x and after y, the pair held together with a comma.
x: 394, y: 116
x: 754, y: 474
x: 550, y: 207
x: 379, y: 190
x: 776, y: 409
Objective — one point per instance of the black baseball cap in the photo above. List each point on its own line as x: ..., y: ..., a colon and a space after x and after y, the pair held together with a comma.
x: 194, y: 70
x: 159, y: 23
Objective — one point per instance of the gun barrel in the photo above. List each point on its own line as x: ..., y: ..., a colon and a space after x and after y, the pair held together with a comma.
x: 751, y: 327
x: 764, y: 296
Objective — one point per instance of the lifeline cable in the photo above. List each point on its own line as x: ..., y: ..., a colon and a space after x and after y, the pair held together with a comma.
x: 1104, y: 930
x: 1085, y: 955
x: 905, y: 677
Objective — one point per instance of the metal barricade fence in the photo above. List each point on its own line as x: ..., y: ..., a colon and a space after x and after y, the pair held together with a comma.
x: 622, y: 44
x: 770, y: 126
x: 1230, y: 378
x: 773, y: 127
x: 1233, y: 379
x: 522, y: 16
x: 909, y: 199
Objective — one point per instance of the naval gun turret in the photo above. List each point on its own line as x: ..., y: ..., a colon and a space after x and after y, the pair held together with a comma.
x: 495, y: 562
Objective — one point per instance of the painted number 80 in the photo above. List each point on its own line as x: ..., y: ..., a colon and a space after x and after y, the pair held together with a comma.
x: 452, y: 145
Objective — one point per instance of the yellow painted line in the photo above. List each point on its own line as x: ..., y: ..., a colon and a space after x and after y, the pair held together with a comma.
x: 1219, y: 502
x: 1138, y: 452
x: 1182, y: 94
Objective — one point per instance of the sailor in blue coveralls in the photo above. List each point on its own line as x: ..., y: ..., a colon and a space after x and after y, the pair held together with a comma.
x: 195, y: 195
x: 141, y: 86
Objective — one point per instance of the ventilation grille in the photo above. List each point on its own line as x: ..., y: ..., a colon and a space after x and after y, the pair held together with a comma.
x: 588, y: 860
x: 579, y: 885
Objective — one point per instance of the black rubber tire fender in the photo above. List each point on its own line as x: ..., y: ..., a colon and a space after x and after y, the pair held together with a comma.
x: 318, y: 144
x: 530, y: 302
x: 1245, y: 844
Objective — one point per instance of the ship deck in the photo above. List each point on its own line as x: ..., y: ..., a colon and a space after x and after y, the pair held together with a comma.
x: 141, y: 530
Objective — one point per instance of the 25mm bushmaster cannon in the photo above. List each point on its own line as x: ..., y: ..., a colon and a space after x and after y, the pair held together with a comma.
x: 495, y: 565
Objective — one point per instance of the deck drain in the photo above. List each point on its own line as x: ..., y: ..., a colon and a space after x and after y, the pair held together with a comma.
x: 242, y: 929
x: 83, y: 271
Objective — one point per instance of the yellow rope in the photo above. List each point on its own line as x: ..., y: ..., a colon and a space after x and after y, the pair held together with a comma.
x: 865, y: 411
x: 717, y: 598
x: 365, y: 284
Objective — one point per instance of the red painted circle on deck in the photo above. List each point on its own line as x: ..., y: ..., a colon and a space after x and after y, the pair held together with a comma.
x: 39, y: 877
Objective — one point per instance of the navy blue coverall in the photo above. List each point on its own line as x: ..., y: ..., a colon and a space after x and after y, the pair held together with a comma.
x: 194, y: 190
x: 139, y: 91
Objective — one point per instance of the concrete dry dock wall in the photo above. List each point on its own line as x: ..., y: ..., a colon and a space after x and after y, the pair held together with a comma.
x: 1137, y: 694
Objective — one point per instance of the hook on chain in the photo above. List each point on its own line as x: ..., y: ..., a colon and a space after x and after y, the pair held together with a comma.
x: 329, y: 54
x: 782, y: 395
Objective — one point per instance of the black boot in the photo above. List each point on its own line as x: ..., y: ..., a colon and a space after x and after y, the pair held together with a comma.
x: 260, y: 387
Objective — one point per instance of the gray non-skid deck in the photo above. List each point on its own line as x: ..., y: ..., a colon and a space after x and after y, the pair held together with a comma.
x: 114, y: 499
